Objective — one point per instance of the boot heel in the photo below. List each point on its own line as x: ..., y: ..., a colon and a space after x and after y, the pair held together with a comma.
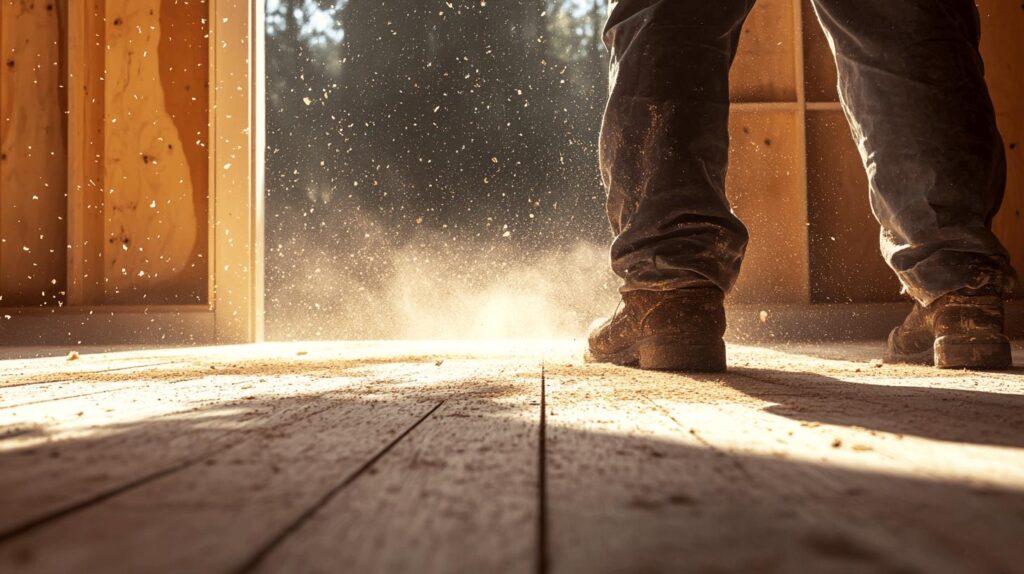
x: 973, y: 352
x: 675, y: 354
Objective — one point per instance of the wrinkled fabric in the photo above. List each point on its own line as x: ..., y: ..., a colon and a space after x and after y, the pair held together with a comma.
x: 911, y: 82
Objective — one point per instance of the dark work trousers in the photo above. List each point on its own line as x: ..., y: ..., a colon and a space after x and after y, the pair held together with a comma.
x: 912, y: 85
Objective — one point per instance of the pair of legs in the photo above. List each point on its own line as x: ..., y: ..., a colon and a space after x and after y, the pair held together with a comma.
x: 911, y: 82
x: 912, y: 85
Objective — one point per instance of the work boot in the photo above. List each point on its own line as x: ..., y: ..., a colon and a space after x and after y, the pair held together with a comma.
x: 678, y: 330
x: 961, y: 330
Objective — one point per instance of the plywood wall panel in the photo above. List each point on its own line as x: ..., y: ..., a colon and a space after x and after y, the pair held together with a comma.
x: 1002, y: 46
x: 33, y: 159
x: 849, y: 268
x: 765, y: 187
x: 819, y: 64
x: 184, y: 73
x: 151, y: 223
x: 845, y: 259
x: 765, y: 66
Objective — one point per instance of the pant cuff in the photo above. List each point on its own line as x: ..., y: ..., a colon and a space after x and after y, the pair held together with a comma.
x: 945, y: 272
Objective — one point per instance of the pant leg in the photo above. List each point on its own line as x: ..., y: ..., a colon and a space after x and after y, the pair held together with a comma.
x: 912, y: 85
x: 665, y: 142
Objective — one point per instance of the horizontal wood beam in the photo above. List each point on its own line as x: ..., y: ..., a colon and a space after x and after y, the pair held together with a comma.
x: 108, y: 325
x: 831, y: 322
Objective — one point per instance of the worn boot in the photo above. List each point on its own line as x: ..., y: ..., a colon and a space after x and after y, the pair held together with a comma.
x: 677, y: 330
x: 961, y: 330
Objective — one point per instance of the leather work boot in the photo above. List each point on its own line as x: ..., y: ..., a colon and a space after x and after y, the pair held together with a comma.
x: 961, y: 330
x: 678, y: 330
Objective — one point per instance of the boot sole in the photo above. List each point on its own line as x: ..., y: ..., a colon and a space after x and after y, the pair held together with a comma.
x: 665, y: 353
x: 674, y: 354
x: 973, y: 352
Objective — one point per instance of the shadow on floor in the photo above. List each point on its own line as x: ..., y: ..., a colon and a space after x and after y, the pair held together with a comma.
x: 954, y: 415
x: 612, y: 501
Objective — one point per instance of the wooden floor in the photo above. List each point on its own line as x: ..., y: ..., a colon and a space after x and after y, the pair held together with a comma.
x: 504, y: 457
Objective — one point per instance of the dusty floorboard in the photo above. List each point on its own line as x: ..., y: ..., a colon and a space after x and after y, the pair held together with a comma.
x: 505, y: 457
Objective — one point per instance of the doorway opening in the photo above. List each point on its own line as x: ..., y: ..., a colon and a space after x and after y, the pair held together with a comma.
x: 432, y: 171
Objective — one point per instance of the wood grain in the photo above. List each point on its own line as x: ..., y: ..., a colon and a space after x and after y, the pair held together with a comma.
x: 845, y: 258
x: 765, y: 188
x: 1002, y: 46
x: 412, y: 457
x: 802, y: 471
x: 184, y: 73
x: 836, y: 192
x: 765, y: 66
x: 267, y: 478
x: 188, y: 408
x: 149, y: 207
x: 33, y: 158
x: 86, y: 133
x: 273, y: 441
x: 819, y: 65
x: 459, y: 494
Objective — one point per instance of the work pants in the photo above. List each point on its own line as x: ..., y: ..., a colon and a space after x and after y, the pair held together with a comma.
x: 911, y: 83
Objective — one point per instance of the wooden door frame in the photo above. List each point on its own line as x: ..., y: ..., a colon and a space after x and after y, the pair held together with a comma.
x: 237, y: 133
x: 234, y: 309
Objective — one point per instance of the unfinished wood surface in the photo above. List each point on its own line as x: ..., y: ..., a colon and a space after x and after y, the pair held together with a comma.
x: 468, y: 476
x: 150, y: 201
x: 184, y: 73
x: 846, y: 264
x: 237, y: 136
x: 823, y: 470
x: 765, y: 188
x: 1002, y: 38
x: 305, y: 448
x: 33, y: 158
x: 208, y: 396
x: 411, y: 457
x: 765, y: 65
x: 820, y: 77
x: 86, y: 133
x: 305, y: 427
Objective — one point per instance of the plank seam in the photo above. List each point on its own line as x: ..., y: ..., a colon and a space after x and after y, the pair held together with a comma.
x: 35, y: 523
x: 68, y: 397
x: 177, y: 381
x: 543, y: 546
x: 261, y: 554
x: 99, y: 372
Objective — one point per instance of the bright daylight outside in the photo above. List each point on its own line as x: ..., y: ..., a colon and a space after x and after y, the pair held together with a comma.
x: 432, y: 169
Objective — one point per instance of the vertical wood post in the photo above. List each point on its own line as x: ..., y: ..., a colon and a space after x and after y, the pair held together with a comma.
x: 237, y: 142
x: 800, y: 149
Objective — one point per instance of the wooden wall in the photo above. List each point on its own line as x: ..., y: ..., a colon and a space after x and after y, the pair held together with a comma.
x: 33, y: 157
x: 1002, y: 44
x: 804, y: 195
x: 104, y: 177
x: 123, y: 86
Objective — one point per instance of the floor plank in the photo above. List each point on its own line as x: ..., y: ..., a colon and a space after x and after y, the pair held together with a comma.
x: 697, y: 474
x: 435, y: 457
x: 66, y: 459
x: 219, y: 513
x: 459, y: 494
